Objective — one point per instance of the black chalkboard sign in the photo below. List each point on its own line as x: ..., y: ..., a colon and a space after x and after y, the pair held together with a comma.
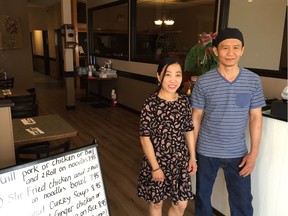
x: 69, y: 184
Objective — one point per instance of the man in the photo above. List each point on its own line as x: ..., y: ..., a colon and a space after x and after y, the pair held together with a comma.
x: 223, y: 101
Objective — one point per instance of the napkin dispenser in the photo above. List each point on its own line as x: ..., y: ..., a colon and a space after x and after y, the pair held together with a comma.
x: 279, y: 109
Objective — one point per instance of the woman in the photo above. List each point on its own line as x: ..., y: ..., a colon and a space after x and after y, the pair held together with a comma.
x: 168, y: 144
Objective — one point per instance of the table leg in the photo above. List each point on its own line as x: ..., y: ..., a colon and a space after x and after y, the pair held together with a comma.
x: 87, y: 97
x: 100, y: 103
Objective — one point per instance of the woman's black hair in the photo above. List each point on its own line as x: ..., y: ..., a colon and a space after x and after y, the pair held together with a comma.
x: 165, y: 63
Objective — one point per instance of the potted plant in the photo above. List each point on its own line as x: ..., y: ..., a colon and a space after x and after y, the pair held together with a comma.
x: 201, y: 58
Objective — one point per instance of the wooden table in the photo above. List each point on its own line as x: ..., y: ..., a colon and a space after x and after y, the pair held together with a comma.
x: 99, y: 103
x: 53, y: 126
x: 14, y: 93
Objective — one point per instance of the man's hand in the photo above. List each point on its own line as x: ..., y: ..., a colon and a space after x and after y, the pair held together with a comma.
x: 247, y: 164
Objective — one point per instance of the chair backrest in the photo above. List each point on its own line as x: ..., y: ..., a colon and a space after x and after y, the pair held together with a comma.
x: 31, y: 90
x: 24, y: 106
x: 36, y: 151
x: 7, y: 83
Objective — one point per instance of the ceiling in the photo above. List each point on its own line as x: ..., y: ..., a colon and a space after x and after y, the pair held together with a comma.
x: 42, y: 3
x: 174, y: 3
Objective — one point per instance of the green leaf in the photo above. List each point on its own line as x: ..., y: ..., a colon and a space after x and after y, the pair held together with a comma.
x: 195, y: 57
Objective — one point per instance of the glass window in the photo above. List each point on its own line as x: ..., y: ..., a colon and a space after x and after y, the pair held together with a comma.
x: 110, y: 24
x: 155, y: 40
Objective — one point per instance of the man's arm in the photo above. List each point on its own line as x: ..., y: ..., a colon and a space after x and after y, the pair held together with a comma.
x: 196, y: 119
x: 255, y: 127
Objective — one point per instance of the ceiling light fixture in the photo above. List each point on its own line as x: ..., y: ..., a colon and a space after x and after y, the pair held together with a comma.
x: 158, y: 22
x: 167, y: 22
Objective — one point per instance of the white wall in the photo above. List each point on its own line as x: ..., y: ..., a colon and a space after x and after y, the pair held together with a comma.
x: 273, y: 87
x: 262, y: 23
x: 37, y: 37
x: 37, y: 18
x: 18, y: 62
x: 46, y: 19
x: 269, y: 177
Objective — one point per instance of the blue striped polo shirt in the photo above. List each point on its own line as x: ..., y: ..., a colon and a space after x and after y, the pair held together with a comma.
x: 226, y: 108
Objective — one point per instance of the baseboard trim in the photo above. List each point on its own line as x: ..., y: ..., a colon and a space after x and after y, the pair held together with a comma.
x: 70, y: 107
x: 128, y: 109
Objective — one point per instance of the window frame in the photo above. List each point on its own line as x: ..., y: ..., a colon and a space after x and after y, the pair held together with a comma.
x: 221, y: 17
x: 91, y: 42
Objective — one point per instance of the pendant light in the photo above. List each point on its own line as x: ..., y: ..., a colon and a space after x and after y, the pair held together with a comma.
x: 164, y: 20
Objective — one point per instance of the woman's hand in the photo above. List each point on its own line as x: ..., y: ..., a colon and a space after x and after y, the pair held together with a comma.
x: 158, y: 175
x: 192, y: 167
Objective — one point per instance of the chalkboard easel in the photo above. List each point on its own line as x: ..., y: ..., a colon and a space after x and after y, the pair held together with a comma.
x: 68, y: 184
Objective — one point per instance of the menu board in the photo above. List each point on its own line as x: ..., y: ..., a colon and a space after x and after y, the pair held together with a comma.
x: 69, y: 184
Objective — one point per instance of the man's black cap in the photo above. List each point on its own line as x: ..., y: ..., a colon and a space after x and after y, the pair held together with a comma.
x: 228, y: 33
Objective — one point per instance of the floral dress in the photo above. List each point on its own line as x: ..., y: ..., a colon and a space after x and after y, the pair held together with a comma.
x: 165, y: 122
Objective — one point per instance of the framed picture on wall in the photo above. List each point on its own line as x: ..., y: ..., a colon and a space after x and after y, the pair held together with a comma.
x: 10, y: 32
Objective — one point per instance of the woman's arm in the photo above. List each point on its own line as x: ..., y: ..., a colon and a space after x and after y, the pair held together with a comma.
x: 157, y: 173
x: 190, y: 140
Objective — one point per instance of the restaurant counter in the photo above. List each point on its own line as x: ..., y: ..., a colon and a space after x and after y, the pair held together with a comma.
x: 267, y: 113
x: 270, y: 176
x: 7, y: 155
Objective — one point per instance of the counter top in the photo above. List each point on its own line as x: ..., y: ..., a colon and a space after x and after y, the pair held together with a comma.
x: 6, y: 103
x: 278, y: 107
x: 267, y: 113
x: 269, y: 177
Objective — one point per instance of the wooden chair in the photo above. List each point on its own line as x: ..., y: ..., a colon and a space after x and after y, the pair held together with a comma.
x: 7, y: 83
x: 33, y: 92
x: 27, y: 106
x: 24, y: 106
x: 37, y: 151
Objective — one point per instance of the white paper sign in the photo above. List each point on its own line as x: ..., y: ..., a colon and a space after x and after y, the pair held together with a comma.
x: 67, y: 185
